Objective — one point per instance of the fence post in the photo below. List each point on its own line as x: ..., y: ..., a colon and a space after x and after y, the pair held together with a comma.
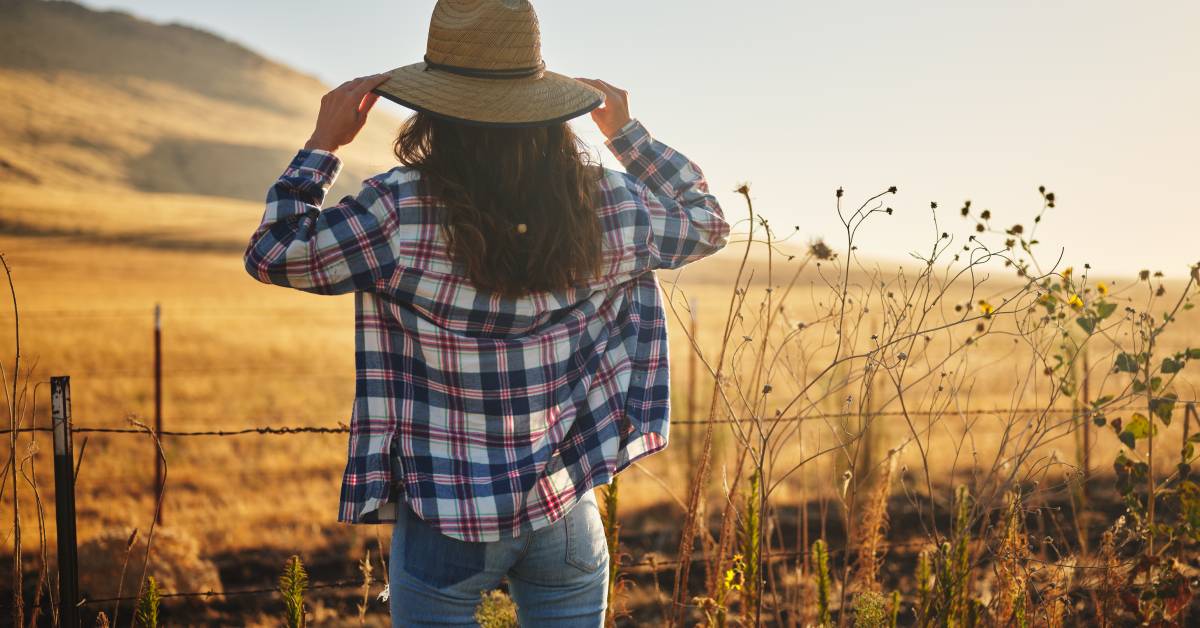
x: 1087, y: 427
x: 693, y: 390
x: 64, y: 501
x: 158, y: 419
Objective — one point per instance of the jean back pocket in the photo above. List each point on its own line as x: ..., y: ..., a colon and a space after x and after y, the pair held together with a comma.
x: 436, y: 559
x: 587, y: 548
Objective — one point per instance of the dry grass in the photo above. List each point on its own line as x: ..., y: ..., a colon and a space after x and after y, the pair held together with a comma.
x: 107, y: 211
x: 239, y: 354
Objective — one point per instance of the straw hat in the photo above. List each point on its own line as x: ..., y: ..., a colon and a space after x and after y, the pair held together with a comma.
x: 483, y: 65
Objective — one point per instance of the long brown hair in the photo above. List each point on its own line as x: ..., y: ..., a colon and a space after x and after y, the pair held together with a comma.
x: 518, y: 204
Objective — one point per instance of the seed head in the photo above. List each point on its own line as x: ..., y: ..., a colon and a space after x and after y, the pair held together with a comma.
x: 820, y: 250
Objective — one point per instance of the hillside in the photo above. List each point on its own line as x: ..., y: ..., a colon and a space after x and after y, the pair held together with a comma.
x: 103, y: 100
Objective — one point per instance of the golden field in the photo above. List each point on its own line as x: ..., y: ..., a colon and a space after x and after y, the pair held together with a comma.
x: 917, y: 378
x: 240, y: 354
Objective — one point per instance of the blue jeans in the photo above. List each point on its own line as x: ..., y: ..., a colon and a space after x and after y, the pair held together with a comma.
x: 558, y: 575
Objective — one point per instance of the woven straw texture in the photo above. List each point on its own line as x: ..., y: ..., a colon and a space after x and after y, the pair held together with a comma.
x: 488, y: 35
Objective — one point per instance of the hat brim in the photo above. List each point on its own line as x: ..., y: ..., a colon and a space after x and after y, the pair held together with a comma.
x: 541, y: 100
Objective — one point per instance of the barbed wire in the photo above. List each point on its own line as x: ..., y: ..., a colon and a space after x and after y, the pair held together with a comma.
x: 182, y: 313
x: 264, y: 373
x: 344, y: 429
x: 339, y: 584
x: 230, y: 432
x: 650, y: 561
x: 658, y: 565
x: 649, y: 564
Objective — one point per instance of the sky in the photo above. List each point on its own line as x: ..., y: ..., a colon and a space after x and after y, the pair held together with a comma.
x: 947, y: 100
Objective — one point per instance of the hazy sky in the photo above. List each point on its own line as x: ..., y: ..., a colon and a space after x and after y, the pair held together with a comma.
x: 948, y: 100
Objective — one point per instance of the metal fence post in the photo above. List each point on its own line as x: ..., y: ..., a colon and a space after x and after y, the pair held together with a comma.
x: 64, y: 501
x: 158, y: 418
x: 693, y: 404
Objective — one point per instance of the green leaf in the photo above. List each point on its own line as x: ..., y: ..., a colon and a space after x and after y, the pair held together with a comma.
x: 1194, y: 438
x: 1155, y: 383
x: 1163, y: 407
x: 1171, y: 365
x: 1101, y: 401
x: 1099, y: 421
x: 1088, y: 325
x: 1138, y: 386
x: 1126, y: 363
x: 1140, y: 427
x: 1193, y: 354
x: 1104, y: 309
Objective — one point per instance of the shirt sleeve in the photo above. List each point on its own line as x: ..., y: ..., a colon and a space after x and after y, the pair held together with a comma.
x: 343, y: 248
x: 686, y: 222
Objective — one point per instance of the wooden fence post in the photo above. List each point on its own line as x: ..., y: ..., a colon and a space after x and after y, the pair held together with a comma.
x: 158, y: 418
x: 64, y: 501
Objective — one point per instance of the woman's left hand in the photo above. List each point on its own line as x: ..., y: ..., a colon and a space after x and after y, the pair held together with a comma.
x: 344, y: 112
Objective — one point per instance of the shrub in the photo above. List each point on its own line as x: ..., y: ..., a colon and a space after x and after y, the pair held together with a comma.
x: 496, y: 610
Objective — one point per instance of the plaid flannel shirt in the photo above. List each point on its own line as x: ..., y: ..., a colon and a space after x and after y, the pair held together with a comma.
x: 491, y: 415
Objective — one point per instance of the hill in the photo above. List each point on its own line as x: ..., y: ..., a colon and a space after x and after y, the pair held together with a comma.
x: 93, y: 100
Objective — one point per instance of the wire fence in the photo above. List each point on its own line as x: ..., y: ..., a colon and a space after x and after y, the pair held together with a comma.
x: 188, y: 313
x: 649, y: 564
x: 345, y: 429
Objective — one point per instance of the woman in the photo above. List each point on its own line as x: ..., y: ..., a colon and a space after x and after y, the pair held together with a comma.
x: 511, y: 347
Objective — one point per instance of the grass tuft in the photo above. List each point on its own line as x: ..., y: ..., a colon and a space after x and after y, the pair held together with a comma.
x: 292, y: 585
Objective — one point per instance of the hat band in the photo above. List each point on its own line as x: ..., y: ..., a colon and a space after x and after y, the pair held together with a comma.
x: 506, y: 74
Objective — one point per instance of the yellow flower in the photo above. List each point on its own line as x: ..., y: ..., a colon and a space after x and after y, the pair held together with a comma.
x: 730, y: 584
x: 1075, y: 301
x: 1102, y: 288
x: 986, y: 308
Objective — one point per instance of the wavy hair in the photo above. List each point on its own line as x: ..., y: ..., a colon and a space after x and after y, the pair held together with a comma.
x: 518, y: 205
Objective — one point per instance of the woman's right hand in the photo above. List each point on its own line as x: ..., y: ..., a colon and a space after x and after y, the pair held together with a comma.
x: 344, y: 112
x: 614, y: 114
